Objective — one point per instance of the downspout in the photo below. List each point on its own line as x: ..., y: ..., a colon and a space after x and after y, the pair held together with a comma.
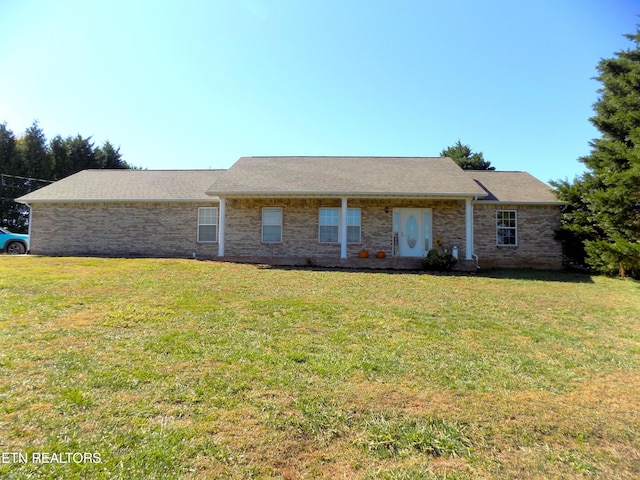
x: 29, y: 230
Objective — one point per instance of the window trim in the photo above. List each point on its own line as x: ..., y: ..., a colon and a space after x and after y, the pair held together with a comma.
x: 514, y: 228
x: 199, y: 224
x: 273, y: 209
x: 339, y: 225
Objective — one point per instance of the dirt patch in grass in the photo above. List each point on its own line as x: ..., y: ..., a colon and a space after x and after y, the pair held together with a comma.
x: 598, y: 391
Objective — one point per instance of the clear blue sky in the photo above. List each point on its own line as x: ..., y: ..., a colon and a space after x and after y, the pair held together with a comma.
x: 197, y: 84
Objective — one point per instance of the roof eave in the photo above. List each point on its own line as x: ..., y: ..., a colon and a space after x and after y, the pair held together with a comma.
x: 254, y: 194
x: 520, y: 202
x: 117, y: 200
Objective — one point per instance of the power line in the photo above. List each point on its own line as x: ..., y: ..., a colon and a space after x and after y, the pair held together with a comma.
x: 25, y: 178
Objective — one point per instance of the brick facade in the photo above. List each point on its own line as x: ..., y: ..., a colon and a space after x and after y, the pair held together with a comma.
x: 119, y: 229
x: 536, y: 246
x: 169, y: 229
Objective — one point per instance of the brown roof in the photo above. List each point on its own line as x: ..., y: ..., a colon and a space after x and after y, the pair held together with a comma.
x: 127, y: 185
x: 355, y: 176
x: 513, y: 187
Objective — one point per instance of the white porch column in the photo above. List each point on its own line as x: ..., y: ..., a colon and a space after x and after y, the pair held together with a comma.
x: 222, y: 211
x: 343, y: 229
x: 468, y: 229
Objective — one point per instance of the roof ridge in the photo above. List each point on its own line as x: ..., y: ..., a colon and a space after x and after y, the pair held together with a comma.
x: 342, y: 156
x: 498, y: 171
x: 154, y: 170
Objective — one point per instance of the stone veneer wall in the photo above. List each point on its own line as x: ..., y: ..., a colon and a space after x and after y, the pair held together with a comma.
x: 536, y: 246
x: 119, y: 229
x: 243, y: 237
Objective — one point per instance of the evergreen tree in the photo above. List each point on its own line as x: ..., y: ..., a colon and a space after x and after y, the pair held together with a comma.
x: 29, y: 163
x: 7, y: 150
x: 12, y: 184
x: 34, y: 156
x: 62, y: 164
x: 604, y: 203
x: 466, y: 158
x: 7, y: 164
x: 109, y: 157
x: 82, y: 155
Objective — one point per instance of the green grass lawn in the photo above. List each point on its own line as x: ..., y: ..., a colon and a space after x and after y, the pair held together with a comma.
x: 162, y: 369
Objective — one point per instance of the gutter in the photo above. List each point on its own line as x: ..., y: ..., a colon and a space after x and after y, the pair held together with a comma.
x: 417, y: 195
x: 120, y: 200
x: 519, y: 202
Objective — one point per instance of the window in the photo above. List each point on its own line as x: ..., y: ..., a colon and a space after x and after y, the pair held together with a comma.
x: 207, y: 224
x: 272, y: 225
x: 353, y: 225
x: 329, y: 225
x: 506, y: 228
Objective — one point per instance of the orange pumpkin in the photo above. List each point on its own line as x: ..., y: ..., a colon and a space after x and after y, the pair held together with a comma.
x: 364, y: 254
x: 381, y: 254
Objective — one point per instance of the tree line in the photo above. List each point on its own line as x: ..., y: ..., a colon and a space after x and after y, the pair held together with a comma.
x: 29, y: 162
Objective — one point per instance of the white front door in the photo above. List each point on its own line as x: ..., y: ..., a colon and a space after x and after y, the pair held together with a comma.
x: 414, y: 231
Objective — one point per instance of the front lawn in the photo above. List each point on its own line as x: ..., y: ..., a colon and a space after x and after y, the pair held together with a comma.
x: 158, y: 369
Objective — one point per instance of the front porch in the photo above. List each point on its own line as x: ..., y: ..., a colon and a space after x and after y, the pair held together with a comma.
x: 398, y: 227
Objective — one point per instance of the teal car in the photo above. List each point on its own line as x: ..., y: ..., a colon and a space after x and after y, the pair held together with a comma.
x: 13, y: 243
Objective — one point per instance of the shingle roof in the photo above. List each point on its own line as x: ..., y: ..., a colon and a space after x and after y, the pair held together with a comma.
x: 128, y: 185
x: 319, y: 176
x: 513, y: 187
x: 376, y: 176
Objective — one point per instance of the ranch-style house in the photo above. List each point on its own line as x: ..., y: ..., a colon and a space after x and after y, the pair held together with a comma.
x: 303, y: 210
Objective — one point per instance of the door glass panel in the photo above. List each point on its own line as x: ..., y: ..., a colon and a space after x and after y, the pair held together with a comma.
x: 427, y: 231
x: 412, y: 231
